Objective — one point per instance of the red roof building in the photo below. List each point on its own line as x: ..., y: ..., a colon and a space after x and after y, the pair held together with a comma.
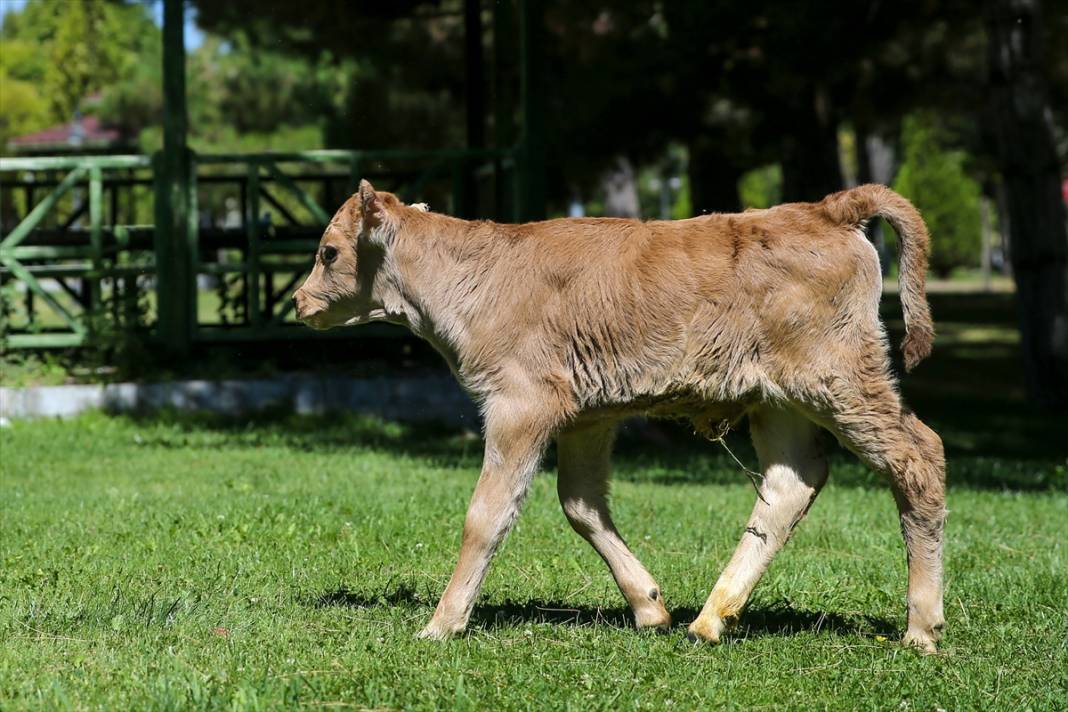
x: 83, y: 133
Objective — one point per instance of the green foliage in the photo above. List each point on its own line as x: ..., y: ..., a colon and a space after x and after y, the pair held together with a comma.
x: 246, y: 99
x: 118, y: 339
x: 761, y: 187
x: 19, y: 369
x: 683, y: 206
x: 23, y: 107
x: 241, y: 97
x: 8, y: 295
x: 371, y: 78
x: 56, y: 54
x: 135, y: 101
x: 933, y: 176
x: 83, y: 57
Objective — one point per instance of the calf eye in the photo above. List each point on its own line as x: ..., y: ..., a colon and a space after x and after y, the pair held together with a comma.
x: 328, y: 254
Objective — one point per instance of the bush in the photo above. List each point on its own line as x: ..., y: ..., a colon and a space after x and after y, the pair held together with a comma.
x: 761, y: 187
x: 933, y: 178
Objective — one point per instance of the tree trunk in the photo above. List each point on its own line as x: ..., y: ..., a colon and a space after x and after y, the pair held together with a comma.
x: 620, y: 186
x: 475, y: 103
x: 1019, y: 116
x: 713, y: 180
x: 876, y: 163
x: 861, y: 136
x: 810, y: 166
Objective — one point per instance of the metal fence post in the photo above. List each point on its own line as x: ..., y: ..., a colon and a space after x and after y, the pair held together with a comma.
x: 96, y: 216
x: 252, y: 253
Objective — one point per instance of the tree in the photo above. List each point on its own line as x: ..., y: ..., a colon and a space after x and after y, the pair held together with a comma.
x: 95, y: 43
x: 934, y: 179
x: 1019, y: 116
x: 23, y: 108
x: 402, y: 61
x: 67, y: 51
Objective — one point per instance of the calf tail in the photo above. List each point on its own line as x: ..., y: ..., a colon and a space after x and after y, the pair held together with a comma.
x: 853, y: 207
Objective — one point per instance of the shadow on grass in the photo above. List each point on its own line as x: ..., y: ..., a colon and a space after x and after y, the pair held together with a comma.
x: 777, y: 619
x: 1011, y: 449
x: 969, y: 391
x: 331, y: 432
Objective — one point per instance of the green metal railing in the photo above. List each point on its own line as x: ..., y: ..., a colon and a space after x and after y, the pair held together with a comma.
x: 70, y: 250
x: 100, y: 249
x: 258, y: 265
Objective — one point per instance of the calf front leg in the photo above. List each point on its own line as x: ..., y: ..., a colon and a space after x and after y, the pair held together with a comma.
x: 514, y: 445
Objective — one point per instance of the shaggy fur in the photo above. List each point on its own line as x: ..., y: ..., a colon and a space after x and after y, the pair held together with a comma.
x: 560, y: 329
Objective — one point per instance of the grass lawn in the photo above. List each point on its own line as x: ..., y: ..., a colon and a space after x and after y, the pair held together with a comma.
x: 177, y: 562
x: 173, y: 564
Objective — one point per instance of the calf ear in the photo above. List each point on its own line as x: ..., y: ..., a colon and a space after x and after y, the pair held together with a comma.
x: 370, y: 205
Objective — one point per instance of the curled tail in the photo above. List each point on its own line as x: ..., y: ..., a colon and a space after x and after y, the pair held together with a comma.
x: 854, y: 206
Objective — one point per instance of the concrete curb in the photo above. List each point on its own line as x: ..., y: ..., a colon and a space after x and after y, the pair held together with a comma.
x: 407, y: 398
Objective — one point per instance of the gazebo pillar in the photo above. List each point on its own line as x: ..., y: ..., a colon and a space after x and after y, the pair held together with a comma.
x: 475, y: 104
x: 175, y: 212
x: 532, y: 181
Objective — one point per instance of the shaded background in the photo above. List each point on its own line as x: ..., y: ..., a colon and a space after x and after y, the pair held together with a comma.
x: 644, y: 109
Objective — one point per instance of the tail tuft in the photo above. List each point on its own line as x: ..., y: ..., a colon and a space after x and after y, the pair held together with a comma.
x: 916, y: 346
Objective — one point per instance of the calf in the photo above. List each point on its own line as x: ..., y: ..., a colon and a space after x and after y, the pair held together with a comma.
x: 560, y: 329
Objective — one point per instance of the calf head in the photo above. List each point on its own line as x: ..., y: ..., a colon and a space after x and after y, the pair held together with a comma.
x: 346, y: 285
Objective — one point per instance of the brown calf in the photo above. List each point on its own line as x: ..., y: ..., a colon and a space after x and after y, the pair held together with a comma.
x: 562, y: 328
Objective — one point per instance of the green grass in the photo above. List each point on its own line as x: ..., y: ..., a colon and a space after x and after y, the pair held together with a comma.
x: 176, y: 563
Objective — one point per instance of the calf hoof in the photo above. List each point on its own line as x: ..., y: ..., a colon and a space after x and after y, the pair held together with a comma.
x: 924, y: 641
x: 655, y: 618
x: 706, y: 630
x: 439, y: 631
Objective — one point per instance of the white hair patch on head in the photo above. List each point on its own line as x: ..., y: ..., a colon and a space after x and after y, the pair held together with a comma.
x: 421, y: 206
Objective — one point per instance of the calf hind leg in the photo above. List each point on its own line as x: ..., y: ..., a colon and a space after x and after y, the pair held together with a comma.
x: 896, y: 443
x: 582, y: 483
x: 795, y: 470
